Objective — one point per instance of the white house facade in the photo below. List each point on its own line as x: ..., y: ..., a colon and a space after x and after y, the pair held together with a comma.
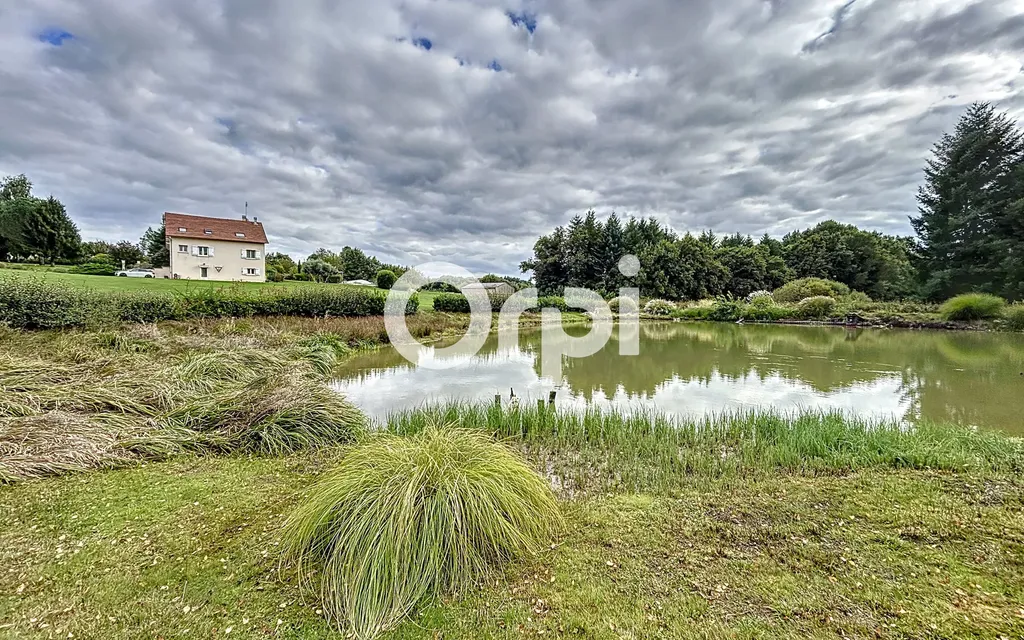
x: 204, y: 248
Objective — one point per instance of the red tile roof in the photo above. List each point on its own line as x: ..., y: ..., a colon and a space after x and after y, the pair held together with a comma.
x: 220, y: 228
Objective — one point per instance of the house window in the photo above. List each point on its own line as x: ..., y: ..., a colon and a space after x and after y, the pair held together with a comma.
x: 182, y: 229
x: 208, y: 232
x: 204, y: 251
x: 182, y: 248
x: 204, y: 272
x: 250, y: 271
x: 250, y: 254
x: 239, y: 235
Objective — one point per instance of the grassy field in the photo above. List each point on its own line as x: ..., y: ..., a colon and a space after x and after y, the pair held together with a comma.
x: 190, y: 548
x: 749, y: 526
x: 112, y: 283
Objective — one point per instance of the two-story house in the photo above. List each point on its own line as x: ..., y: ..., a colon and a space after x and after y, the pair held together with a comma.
x: 204, y: 248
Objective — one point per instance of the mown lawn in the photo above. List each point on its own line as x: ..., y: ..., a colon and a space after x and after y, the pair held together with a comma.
x: 189, y: 548
x: 112, y: 283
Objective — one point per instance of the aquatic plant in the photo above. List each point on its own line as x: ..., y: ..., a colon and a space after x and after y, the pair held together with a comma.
x: 599, y: 450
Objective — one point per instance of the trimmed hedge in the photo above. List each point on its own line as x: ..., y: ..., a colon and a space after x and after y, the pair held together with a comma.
x: 451, y: 303
x: 35, y: 304
x: 458, y: 303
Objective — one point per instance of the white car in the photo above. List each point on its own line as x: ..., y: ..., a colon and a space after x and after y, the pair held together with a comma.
x: 136, y: 273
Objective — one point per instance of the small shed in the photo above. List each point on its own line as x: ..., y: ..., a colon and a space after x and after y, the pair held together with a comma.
x: 493, y: 288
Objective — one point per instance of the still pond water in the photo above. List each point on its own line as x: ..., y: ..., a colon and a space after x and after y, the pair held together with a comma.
x: 698, y: 369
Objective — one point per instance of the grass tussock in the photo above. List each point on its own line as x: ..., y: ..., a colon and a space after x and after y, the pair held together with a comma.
x: 607, y: 450
x: 90, y: 403
x: 406, y: 518
x: 972, y: 306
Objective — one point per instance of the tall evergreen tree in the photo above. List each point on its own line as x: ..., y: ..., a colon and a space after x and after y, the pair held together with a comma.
x: 968, y: 207
x: 154, y: 245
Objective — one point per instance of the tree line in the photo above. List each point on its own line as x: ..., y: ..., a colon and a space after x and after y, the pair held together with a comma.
x: 969, y: 238
x: 586, y: 252
x: 32, y: 227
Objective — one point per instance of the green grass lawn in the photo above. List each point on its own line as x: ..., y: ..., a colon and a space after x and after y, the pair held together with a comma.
x: 112, y: 283
x: 190, y: 548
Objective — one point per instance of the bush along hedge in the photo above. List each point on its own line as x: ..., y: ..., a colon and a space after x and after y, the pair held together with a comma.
x: 35, y: 304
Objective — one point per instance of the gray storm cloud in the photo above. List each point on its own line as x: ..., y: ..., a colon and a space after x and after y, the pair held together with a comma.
x: 340, y: 126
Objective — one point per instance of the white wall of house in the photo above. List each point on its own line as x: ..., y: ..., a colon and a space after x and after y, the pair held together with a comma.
x: 196, y: 259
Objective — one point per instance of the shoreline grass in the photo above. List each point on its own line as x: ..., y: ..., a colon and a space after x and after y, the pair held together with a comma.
x: 597, y: 450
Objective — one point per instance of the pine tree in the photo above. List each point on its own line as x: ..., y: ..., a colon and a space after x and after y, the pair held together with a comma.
x: 967, y: 206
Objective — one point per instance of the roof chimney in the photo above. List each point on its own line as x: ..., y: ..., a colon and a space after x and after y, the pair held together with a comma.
x: 255, y: 219
x: 245, y: 218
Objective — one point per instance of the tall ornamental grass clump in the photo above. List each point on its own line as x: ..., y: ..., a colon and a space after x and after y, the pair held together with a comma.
x: 406, y: 518
x: 972, y: 306
x: 1014, y: 316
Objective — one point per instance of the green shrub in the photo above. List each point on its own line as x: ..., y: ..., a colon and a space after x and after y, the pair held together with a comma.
x: 972, y: 306
x: 550, y: 302
x: 386, y: 278
x: 764, y: 310
x: 406, y: 518
x: 335, y: 278
x: 497, y: 301
x: 855, y: 300
x: 798, y: 290
x: 100, y: 264
x: 658, y: 307
x: 451, y: 303
x: 816, y: 307
x: 726, y: 311
x: 1014, y: 315
x: 624, y: 305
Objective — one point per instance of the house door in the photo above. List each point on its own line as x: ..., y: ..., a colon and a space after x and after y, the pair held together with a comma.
x: 204, y: 272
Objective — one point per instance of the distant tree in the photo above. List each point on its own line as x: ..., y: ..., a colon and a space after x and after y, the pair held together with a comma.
x: 330, y: 257
x: 357, y: 265
x: 15, y: 187
x: 94, y: 247
x: 154, y: 246
x: 127, y: 253
x: 31, y: 226
x: 319, y: 269
x: 281, y: 262
x: 386, y: 279
x: 747, y: 266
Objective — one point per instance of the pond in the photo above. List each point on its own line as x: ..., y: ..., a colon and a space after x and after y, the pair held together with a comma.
x: 701, y: 368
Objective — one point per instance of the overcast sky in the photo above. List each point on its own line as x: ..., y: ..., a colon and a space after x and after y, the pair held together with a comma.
x: 461, y: 130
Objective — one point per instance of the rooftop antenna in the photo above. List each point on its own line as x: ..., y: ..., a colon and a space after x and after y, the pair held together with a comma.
x: 247, y: 209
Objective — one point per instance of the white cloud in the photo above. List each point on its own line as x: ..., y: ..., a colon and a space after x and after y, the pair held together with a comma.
x: 736, y: 115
